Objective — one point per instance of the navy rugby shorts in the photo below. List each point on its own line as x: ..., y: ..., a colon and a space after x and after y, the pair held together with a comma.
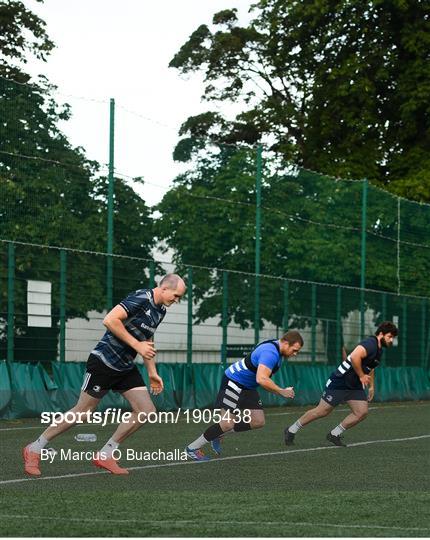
x: 233, y: 395
x: 99, y: 378
x: 335, y: 394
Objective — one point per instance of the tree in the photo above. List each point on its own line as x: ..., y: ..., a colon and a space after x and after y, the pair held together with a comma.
x: 51, y: 194
x: 311, y: 232
x: 339, y: 87
x: 22, y: 33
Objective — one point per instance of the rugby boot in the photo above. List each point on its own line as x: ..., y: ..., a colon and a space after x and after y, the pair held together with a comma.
x: 31, y: 462
x: 335, y: 439
x: 196, y: 455
x: 217, y: 446
x: 289, y: 437
x: 110, y: 464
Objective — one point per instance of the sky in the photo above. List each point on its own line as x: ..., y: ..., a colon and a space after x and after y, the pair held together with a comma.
x: 121, y: 49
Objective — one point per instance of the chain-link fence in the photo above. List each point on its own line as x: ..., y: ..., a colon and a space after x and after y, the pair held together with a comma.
x: 264, y: 245
x: 54, y: 304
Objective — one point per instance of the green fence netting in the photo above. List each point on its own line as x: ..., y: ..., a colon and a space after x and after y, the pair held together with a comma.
x: 330, y: 316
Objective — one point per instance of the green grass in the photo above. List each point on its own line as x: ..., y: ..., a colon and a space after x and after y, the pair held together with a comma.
x: 380, y: 489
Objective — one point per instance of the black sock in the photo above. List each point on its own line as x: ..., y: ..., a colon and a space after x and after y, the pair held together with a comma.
x: 213, y: 432
x: 242, y: 426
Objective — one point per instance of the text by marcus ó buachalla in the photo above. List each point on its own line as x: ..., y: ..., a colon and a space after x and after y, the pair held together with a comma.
x: 129, y: 454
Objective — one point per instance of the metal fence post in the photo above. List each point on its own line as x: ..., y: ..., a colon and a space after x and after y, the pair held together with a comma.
x: 427, y: 355
x: 399, y: 281
x: 363, y: 254
x: 423, y: 332
x: 384, y: 307
x: 224, y: 316
x: 362, y: 313
x: 10, y: 300
x: 151, y: 274
x: 338, y: 324
x: 257, y: 245
x: 314, y: 322
x: 63, y: 282
x: 384, y: 318
x: 286, y: 315
x: 110, y: 208
x: 404, y: 329
x: 190, y: 317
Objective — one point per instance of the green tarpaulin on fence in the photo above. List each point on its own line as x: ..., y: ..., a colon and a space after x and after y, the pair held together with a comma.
x: 29, y: 392
x: 26, y: 390
x: 5, y: 388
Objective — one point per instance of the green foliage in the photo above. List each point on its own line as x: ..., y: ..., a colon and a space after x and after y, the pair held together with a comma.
x: 311, y: 231
x: 21, y: 32
x: 50, y: 192
x: 339, y: 87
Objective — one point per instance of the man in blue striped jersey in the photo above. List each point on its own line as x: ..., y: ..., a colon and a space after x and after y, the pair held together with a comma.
x: 130, y: 329
x: 238, y: 399
x: 347, y: 384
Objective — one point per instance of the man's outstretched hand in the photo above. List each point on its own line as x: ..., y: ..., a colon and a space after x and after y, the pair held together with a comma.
x: 156, y: 384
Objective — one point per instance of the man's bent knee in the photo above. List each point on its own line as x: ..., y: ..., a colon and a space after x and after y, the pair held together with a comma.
x: 258, y: 423
x: 257, y: 420
x: 226, y: 425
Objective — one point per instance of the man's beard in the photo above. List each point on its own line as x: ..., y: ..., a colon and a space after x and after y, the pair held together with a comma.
x: 384, y: 343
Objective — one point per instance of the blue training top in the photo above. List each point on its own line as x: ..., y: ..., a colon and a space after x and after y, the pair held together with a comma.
x: 144, y: 316
x: 244, y: 371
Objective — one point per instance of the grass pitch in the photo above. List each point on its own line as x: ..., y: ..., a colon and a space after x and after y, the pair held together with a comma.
x: 377, y: 487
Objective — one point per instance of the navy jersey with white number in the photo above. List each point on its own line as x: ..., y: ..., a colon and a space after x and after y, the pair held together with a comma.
x: 244, y: 371
x: 346, y: 377
x: 144, y: 316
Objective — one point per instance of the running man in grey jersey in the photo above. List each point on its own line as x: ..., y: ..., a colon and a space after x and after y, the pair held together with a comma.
x: 130, y: 329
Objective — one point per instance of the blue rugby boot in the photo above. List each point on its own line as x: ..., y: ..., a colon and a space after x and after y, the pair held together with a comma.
x: 196, y: 455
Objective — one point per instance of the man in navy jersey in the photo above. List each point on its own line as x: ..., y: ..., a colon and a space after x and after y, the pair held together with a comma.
x: 239, y: 393
x: 130, y: 329
x: 347, y: 384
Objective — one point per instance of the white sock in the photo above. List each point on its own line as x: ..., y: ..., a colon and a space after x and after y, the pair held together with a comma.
x: 294, y: 428
x: 338, y: 430
x: 37, y: 445
x: 198, y: 443
x: 109, y: 447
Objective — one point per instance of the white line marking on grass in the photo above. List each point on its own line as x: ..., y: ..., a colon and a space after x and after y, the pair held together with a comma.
x: 18, y: 428
x: 216, y: 460
x: 381, y: 408
x: 214, y: 523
